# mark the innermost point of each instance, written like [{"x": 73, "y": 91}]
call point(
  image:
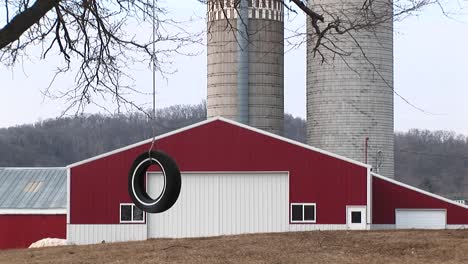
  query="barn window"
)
[
  {"x": 129, "y": 213},
  {"x": 356, "y": 217},
  {"x": 303, "y": 213}
]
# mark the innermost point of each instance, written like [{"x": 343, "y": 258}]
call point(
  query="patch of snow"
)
[{"x": 50, "y": 242}]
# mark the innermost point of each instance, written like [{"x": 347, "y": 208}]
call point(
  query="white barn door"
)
[
  {"x": 356, "y": 217},
  {"x": 212, "y": 204},
  {"x": 420, "y": 218}
]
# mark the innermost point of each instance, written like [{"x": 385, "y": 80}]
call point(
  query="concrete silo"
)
[
  {"x": 350, "y": 98},
  {"x": 245, "y": 62}
]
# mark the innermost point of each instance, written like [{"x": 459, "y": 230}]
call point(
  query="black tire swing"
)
[{"x": 136, "y": 182}]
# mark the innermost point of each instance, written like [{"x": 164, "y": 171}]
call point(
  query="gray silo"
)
[
  {"x": 245, "y": 71},
  {"x": 350, "y": 99}
]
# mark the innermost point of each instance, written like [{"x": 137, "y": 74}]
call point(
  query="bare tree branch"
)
[
  {"x": 24, "y": 20},
  {"x": 93, "y": 39},
  {"x": 95, "y": 43}
]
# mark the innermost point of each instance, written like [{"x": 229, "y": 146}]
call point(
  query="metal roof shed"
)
[{"x": 32, "y": 205}]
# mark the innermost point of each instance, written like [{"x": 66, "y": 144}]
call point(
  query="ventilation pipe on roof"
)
[{"x": 243, "y": 61}]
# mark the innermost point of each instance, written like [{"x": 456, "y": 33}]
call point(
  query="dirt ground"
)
[{"x": 302, "y": 247}]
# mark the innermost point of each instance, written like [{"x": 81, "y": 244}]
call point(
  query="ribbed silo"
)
[
  {"x": 257, "y": 94},
  {"x": 350, "y": 97}
]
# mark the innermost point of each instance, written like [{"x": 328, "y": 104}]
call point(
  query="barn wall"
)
[
  {"x": 92, "y": 234},
  {"x": 20, "y": 231},
  {"x": 99, "y": 186},
  {"x": 388, "y": 196}
]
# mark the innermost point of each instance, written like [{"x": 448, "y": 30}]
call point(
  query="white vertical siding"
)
[
  {"x": 194, "y": 214},
  {"x": 213, "y": 204},
  {"x": 420, "y": 218},
  {"x": 312, "y": 227},
  {"x": 253, "y": 203},
  {"x": 457, "y": 226},
  {"x": 382, "y": 227},
  {"x": 92, "y": 234}
]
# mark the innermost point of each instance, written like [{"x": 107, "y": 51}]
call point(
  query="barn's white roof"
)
[
  {"x": 33, "y": 190},
  {"x": 227, "y": 121}
]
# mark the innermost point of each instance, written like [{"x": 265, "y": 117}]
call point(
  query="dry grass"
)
[{"x": 303, "y": 247}]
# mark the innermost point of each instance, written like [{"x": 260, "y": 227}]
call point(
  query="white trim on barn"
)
[
  {"x": 369, "y": 199},
  {"x": 140, "y": 143},
  {"x": 392, "y": 227},
  {"x": 457, "y": 226},
  {"x": 68, "y": 194},
  {"x": 294, "y": 142},
  {"x": 382, "y": 227},
  {"x": 227, "y": 121},
  {"x": 315, "y": 227},
  {"x": 48, "y": 211},
  {"x": 108, "y": 233},
  {"x": 419, "y": 190},
  {"x": 93, "y": 234}
]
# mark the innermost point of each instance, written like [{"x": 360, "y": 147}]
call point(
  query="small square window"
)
[
  {"x": 137, "y": 214},
  {"x": 356, "y": 217},
  {"x": 303, "y": 212},
  {"x": 309, "y": 212},
  {"x": 129, "y": 213},
  {"x": 125, "y": 212},
  {"x": 296, "y": 212}
]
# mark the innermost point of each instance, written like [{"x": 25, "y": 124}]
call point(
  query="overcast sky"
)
[{"x": 430, "y": 70}]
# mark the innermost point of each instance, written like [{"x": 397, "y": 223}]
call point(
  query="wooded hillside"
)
[{"x": 436, "y": 161}]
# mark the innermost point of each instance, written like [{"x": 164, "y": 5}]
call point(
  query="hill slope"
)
[{"x": 304, "y": 247}]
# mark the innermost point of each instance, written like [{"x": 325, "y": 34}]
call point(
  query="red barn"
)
[
  {"x": 397, "y": 205},
  {"x": 32, "y": 205},
  {"x": 238, "y": 179}
]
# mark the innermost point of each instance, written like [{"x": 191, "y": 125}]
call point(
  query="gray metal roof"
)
[{"x": 33, "y": 188}]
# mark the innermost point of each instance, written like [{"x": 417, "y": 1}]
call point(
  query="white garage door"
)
[
  {"x": 213, "y": 204},
  {"x": 420, "y": 219}
]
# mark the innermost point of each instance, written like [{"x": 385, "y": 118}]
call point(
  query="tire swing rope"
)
[
  {"x": 137, "y": 175},
  {"x": 169, "y": 168}
]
